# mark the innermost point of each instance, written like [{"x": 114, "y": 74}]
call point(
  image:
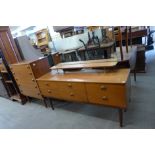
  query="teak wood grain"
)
[
  {"x": 25, "y": 74},
  {"x": 86, "y": 64}
]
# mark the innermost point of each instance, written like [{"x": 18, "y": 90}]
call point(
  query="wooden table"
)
[
  {"x": 137, "y": 35},
  {"x": 103, "y": 46},
  {"x": 110, "y": 88}
]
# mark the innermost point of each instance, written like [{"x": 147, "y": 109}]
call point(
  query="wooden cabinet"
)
[
  {"x": 8, "y": 45},
  {"x": 25, "y": 74}
]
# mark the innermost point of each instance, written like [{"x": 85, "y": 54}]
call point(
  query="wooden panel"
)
[
  {"x": 40, "y": 67},
  {"x": 86, "y": 64},
  {"x": 8, "y": 46},
  {"x": 107, "y": 94},
  {"x": 31, "y": 92},
  {"x": 56, "y": 58}
]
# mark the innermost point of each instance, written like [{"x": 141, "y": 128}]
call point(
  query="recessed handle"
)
[
  {"x": 104, "y": 98},
  {"x": 28, "y": 67},
  {"x": 103, "y": 87},
  {"x": 47, "y": 84},
  {"x": 30, "y": 73}
]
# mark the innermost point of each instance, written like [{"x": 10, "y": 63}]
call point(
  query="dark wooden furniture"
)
[
  {"x": 129, "y": 59},
  {"x": 110, "y": 88},
  {"x": 140, "y": 61},
  {"x": 11, "y": 55},
  {"x": 136, "y": 35},
  {"x": 105, "y": 48},
  {"x": 8, "y": 46},
  {"x": 56, "y": 58},
  {"x": 25, "y": 74}
]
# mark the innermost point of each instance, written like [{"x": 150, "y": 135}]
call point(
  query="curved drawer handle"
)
[{"x": 104, "y": 98}]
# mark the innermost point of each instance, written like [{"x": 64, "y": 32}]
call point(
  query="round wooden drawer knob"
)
[
  {"x": 30, "y": 73},
  {"x": 103, "y": 87},
  {"x": 47, "y": 84},
  {"x": 69, "y": 85},
  {"x": 33, "y": 80},
  {"x": 49, "y": 91},
  {"x": 71, "y": 94},
  {"x": 104, "y": 98},
  {"x": 28, "y": 67}
]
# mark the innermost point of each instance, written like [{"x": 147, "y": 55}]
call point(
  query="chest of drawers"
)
[{"x": 25, "y": 74}]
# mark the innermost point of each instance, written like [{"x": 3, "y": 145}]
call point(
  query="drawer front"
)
[
  {"x": 31, "y": 93},
  {"x": 107, "y": 94},
  {"x": 64, "y": 90},
  {"x": 31, "y": 90}
]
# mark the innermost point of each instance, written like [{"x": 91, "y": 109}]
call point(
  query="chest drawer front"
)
[
  {"x": 111, "y": 95},
  {"x": 64, "y": 90},
  {"x": 30, "y": 93}
]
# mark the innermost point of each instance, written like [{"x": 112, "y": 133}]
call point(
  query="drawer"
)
[
  {"x": 31, "y": 92},
  {"x": 32, "y": 86},
  {"x": 58, "y": 85},
  {"x": 109, "y": 94},
  {"x": 64, "y": 90}
]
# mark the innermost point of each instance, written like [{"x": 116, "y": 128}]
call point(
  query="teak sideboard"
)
[{"x": 110, "y": 88}]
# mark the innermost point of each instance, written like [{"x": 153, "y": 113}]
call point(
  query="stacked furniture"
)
[{"x": 140, "y": 61}]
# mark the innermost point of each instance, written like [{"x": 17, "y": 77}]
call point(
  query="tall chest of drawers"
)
[{"x": 26, "y": 73}]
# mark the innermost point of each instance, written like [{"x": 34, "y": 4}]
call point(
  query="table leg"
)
[
  {"x": 51, "y": 103},
  {"x": 120, "y": 117}
]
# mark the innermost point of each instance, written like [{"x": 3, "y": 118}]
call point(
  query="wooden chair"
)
[{"x": 126, "y": 55}]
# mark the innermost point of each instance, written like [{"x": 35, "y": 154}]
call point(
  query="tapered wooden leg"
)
[
  {"x": 120, "y": 117},
  {"x": 44, "y": 100},
  {"x": 51, "y": 103}
]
